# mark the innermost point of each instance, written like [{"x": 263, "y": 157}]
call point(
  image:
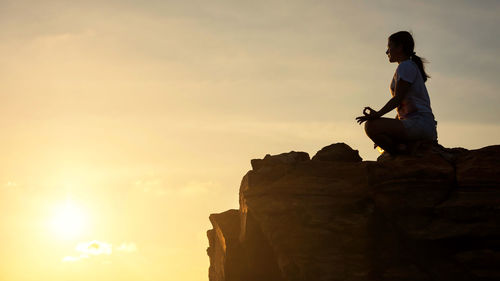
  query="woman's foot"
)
[{"x": 385, "y": 156}]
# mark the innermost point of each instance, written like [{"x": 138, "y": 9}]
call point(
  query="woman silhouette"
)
[{"x": 414, "y": 120}]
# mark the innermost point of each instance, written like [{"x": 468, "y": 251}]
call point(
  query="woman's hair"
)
[{"x": 404, "y": 38}]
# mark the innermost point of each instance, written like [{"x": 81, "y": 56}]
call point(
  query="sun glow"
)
[{"x": 68, "y": 221}]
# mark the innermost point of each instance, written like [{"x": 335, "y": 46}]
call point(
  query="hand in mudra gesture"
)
[{"x": 372, "y": 114}]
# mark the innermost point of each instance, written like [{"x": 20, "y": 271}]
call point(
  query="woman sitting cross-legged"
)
[{"x": 414, "y": 120}]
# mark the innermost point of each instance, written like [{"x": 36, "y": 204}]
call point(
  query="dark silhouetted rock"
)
[
  {"x": 338, "y": 152},
  {"x": 432, "y": 216},
  {"x": 288, "y": 158},
  {"x": 226, "y": 260}
]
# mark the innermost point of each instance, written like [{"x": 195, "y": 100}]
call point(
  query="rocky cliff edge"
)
[{"x": 435, "y": 216}]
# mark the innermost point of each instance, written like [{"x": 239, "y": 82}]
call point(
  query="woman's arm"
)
[{"x": 402, "y": 88}]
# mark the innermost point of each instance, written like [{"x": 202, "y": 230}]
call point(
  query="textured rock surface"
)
[
  {"x": 225, "y": 255},
  {"x": 337, "y": 152},
  {"x": 334, "y": 217}
]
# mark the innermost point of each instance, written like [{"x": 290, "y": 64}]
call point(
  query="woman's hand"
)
[{"x": 372, "y": 114}]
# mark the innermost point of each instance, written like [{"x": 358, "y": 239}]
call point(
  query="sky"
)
[{"x": 126, "y": 123}]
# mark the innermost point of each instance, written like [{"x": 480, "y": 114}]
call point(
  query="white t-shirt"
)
[{"x": 417, "y": 98}]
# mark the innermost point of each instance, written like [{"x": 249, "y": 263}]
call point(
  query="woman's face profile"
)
[{"x": 393, "y": 52}]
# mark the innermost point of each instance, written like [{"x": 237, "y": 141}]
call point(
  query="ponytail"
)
[
  {"x": 405, "y": 39},
  {"x": 420, "y": 63}
]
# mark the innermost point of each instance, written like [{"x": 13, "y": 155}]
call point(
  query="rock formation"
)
[{"x": 435, "y": 216}]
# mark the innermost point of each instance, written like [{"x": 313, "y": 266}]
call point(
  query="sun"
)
[{"x": 69, "y": 220}]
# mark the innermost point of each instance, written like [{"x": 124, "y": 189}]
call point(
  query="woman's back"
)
[{"x": 417, "y": 98}]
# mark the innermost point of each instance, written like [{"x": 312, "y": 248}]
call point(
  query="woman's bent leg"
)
[{"x": 386, "y": 133}]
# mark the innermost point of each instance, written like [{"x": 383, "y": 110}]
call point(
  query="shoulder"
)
[
  {"x": 407, "y": 70},
  {"x": 407, "y": 64}
]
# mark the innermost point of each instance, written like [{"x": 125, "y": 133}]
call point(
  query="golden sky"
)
[{"x": 126, "y": 123}]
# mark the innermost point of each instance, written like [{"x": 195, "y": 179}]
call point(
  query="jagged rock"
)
[
  {"x": 288, "y": 158},
  {"x": 338, "y": 152},
  {"x": 226, "y": 261},
  {"x": 479, "y": 168},
  {"x": 433, "y": 216}
]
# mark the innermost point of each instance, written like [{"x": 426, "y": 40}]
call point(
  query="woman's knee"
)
[{"x": 370, "y": 127}]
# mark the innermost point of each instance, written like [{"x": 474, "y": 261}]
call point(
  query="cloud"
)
[
  {"x": 127, "y": 247},
  {"x": 157, "y": 186},
  {"x": 75, "y": 258},
  {"x": 98, "y": 248},
  {"x": 153, "y": 185},
  {"x": 94, "y": 248},
  {"x": 193, "y": 188},
  {"x": 10, "y": 184},
  {"x": 70, "y": 259},
  {"x": 56, "y": 39}
]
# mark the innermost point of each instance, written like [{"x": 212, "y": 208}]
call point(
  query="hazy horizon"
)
[{"x": 126, "y": 123}]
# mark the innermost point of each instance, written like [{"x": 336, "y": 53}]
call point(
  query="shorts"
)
[{"x": 420, "y": 126}]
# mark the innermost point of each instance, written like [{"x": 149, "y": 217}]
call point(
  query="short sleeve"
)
[{"x": 407, "y": 71}]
